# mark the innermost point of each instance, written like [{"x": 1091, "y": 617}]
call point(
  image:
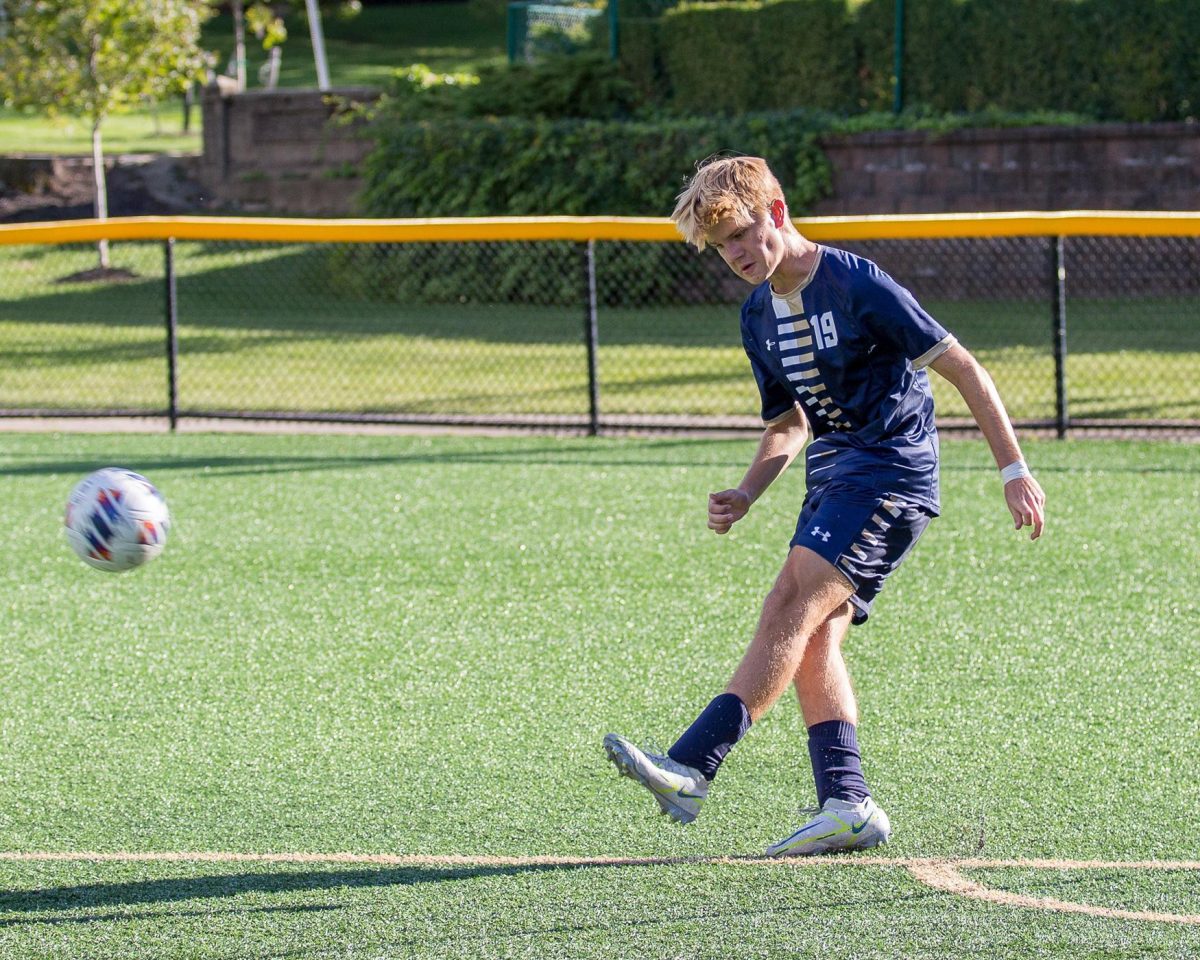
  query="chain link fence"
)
[
  {"x": 583, "y": 336},
  {"x": 551, "y": 27}
]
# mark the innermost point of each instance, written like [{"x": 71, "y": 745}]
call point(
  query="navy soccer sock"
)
[
  {"x": 712, "y": 735},
  {"x": 837, "y": 766}
]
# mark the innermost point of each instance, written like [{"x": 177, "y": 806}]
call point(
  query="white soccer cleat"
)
[
  {"x": 839, "y": 825},
  {"x": 679, "y": 790}
]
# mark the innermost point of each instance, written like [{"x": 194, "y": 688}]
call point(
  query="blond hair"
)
[{"x": 724, "y": 188}]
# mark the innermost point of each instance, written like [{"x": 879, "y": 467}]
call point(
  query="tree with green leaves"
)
[
  {"x": 93, "y": 58},
  {"x": 265, "y": 21}
]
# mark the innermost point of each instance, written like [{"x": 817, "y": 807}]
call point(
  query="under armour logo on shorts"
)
[{"x": 823, "y": 534}]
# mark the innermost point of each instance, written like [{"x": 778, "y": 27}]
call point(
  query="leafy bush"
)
[
  {"x": 759, "y": 55},
  {"x": 499, "y": 166},
  {"x": 1107, "y": 59},
  {"x": 582, "y": 85},
  {"x": 535, "y": 167}
]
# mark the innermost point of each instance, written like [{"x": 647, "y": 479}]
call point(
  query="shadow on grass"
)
[
  {"x": 174, "y": 890},
  {"x": 68, "y": 919},
  {"x": 59, "y": 905},
  {"x": 293, "y": 292},
  {"x": 645, "y": 455}
]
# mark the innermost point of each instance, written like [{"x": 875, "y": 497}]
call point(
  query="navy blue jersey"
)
[{"x": 850, "y": 347}]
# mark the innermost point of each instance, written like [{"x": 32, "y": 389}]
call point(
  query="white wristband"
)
[{"x": 1015, "y": 471}]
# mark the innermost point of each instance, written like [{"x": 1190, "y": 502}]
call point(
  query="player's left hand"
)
[{"x": 1027, "y": 504}]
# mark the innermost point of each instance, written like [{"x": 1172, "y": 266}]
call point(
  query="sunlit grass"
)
[{"x": 413, "y": 645}]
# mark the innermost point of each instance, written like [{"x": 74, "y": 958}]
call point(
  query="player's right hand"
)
[{"x": 726, "y": 508}]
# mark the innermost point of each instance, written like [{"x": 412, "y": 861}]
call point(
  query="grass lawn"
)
[
  {"x": 412, "y": 646},
  {"x": 266, "y": 327},
  {"x": 365, "y": 50}
]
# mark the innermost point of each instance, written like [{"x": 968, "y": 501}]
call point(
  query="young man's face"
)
[{"x": 753, "y": 251}]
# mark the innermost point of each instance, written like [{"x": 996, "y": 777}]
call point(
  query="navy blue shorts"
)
[{"x": 861, "y": 533}]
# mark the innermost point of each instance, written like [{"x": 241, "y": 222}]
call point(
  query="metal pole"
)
[
  {"x": 898, "y": 60},
  {"x": 516, "y": 26},
  {"x": 614, "y": 45},
  {"x": 591, "y": 332},
  {"x": 172, "y": 336},
  {"x": 318, "y": 43},
  {"x": 1059, "y": 307}
]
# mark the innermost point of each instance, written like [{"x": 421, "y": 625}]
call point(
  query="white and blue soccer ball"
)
[{"x": 116, "y": 520}]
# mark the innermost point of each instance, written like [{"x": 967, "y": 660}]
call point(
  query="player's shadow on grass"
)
[
  {"x": 642, "y": 454},
  {"x": 69, "y": 905},
  {"x": 57, "y": 900}
]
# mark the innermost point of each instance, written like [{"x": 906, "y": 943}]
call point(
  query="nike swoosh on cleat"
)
[
  {"x": 672, "y": 792},
  {"x": 858, "y": 827},
  {"x": 791, "y": 841}
]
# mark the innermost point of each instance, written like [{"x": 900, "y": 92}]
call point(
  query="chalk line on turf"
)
[{"x": 937, "y": 873}]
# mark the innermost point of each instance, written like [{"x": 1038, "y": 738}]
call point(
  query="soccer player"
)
[{"x": 839, "y": 351}]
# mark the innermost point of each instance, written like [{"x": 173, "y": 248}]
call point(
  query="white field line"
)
[
  {"x": 484, "y": 860},
  {"x": 937, "y": 873},
  {"x": 945, "y": 877}
]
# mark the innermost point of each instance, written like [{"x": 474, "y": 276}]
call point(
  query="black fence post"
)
[
  {"x": 1059, "y": 309},
  {"x": 172, "y": 336},
  {"x": 591, "y": 333}
]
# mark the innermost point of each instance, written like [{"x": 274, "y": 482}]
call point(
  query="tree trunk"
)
[{"x": 101, "y": 188}]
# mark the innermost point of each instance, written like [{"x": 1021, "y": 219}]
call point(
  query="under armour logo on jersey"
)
[
  {"x": 822, "y": 534},
  {"x": 770, "y": 344}
]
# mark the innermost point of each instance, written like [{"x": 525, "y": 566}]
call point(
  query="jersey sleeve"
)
[
  {"x": 777, "y": 401},
  {"x": 893, "y": 315}
]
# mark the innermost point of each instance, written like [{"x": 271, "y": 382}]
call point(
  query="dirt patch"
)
[{"x": 38, "y": 188}]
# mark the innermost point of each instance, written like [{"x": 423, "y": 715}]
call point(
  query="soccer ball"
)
[{"x": 116, "y": 520}]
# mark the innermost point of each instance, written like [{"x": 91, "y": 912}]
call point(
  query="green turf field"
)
[
  {"x": 266, "y": 327},
  {"x": 411, "y": 647}
]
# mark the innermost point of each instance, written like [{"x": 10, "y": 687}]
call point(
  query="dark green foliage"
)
[
  {"x": 1127, "y": 60},
  {"x": 585, "y": 84},
  {"x": 519, "y": 166},
  {"x": 515, "y": 166},
  {"x": 542, "y": 274},
  {"x": 457, "y": 273},
  {"x": 753, "y": 55}
]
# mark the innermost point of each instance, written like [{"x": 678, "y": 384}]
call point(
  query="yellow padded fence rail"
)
[{"x": 648, "y": 229}]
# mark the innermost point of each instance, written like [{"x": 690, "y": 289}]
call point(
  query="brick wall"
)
[
  {"x": 274, "y": 151},
  {"x": 1101, "y": 167}
]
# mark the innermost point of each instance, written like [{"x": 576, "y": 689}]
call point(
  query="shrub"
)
[
  {"x": 519, "y": 166},
  {"x": 1108, "y": 59}
]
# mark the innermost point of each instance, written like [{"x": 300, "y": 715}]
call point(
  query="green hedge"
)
[
  {"x": 495, "y": 166},
  {"x": 1131, "y": 60},
  {"x": 754, "y": 55},
  {"x": 528, "y": 166}
]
